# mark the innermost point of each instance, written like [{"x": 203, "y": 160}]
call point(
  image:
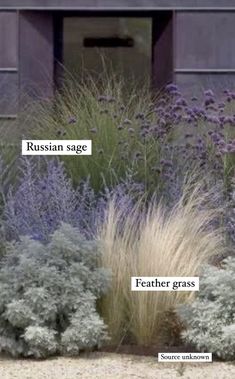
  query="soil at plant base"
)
[
  {"x": 111, "y": 366},
  {"x": 152, "y": 350}
]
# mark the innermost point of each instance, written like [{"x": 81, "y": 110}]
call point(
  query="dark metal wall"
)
[
  {"x": 162, "y": 49},
  {"x": 26, "y": 58},
  {"x": 36, "y": 54},
  {"x": 113, "y": 4},
  {"x": 194, "y": 48},
  {"x": 204, "y": 50},
  {"x": 8, "y": 64}
]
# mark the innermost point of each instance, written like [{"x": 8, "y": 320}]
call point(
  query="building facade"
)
[{"x": 190, "y": 42}]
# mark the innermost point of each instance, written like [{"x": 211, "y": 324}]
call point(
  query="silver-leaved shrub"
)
[
  {"x": 210, "y": 319},
  {"x": 48, "y": 296}
]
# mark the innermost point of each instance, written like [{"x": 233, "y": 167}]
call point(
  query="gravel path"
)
[{"x": 111, "y": 366}]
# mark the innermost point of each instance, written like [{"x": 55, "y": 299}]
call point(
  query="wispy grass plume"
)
[{"x": 160, "y": 243}]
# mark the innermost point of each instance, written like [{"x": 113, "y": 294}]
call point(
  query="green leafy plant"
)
[
  {"x": 48, "y": 296},
  {"x": 210, "y": 319}
]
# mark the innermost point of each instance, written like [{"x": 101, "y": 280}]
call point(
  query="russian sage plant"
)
[
  {"x": 48, "y": 296},
  {"x": 210, "y": 319},
  {"x": 45, "y": 197}
]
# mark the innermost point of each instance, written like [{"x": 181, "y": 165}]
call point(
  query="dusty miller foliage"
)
[
  {"x": 210, "y": 319},
  {"x": 48, "y": 296}
]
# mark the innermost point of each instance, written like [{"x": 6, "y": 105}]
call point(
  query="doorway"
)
[{"x": 119, "y": 45}]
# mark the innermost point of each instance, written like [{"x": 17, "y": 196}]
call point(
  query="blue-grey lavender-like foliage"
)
[
  {"x": 48, "y": 296},
  {"x": 210, "y": 319},
  {"x": 45, "y": 197}
]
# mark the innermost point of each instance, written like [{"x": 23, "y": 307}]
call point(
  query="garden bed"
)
[{"x": 156, "y": 200}]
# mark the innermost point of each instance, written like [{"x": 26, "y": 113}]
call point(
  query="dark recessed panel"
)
[
  {"x": 117, "y": 45},
  {"x": 108, "y": 42},
  {"x": 8, "y": 40}
]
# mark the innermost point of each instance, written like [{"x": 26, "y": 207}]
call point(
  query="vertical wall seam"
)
[
  {"x": 18, "y": 60},
  {"x": 174, "y": 38}
]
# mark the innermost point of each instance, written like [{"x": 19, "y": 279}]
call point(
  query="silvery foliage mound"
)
[
  {"x": 48, "y": 296},
  {"x": 210, "y": 319}
]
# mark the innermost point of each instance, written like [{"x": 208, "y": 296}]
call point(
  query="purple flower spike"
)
[
  {"x": 162, "y": 122},
  {"x": 168, "y": 163},
  {"x": 176, "y": 93},
  {"x": 171, "y": 87},
  {"x": 93, "y": 130},
  {"x": 230, "y": 147},
  {"x": 209, "y": 101},
  {"x": 177, "y": 108},
  {"x": 137, "y": 155},
  {"x": 188, "y": 119},
  {"x": 162, "y": 101},
  {"x": 127, "y": 122},
  {"x": 72, "y": 120},
  {"x": 111, "y": 99},
  {"x": 188, "y": 135},
  {"x": 131, "y": 130},
  {"x": 224, "y": 150},
  {"x": 102, "y": 98},
  {"x": 140, "y": 116},
  {"x": 104, "y": 111},
  {"x": 182, "y": 102},
  {"x": 209, "y": 93}
]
